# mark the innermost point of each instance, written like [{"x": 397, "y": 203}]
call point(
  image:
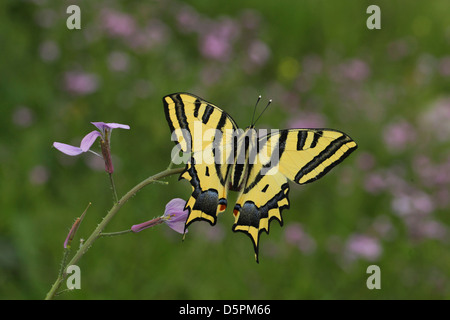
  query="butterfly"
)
[{"x": 221, "y": 157}]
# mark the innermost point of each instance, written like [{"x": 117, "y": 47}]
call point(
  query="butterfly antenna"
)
[
  {"x": 254, "y": 109},
  {"x": 268, "y": 104}
]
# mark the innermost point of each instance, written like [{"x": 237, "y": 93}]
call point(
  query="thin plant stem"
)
[
  {"x": 117, "y": 233},
  {"x": 113, "y": 187},
  {"x": 63, "y": 262},
  {"x": 101, "y": 226}
]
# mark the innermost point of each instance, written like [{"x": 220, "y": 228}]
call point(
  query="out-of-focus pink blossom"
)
[
  {"x": 436, "y": 119},
  {"x": 117, "y": 24},
  {"x": 295, "y": 235},
  {"x": 412, "y": 203},
  {"x": 365, "y": 161},
  {"x": 156, "y": 33},
  {"x": 421, "y": 229},
  {"x": 375, "y": 183},
  {"x": 258, "y": 53},
  {"x": 216, "y": 42},
  {"x": 118, "y": 61},
  {"x": 188, "y": 19},
  {"x": 355, "y": 70},
  {"x": 425, "y": 68},
  {"x": 80, "y": 83},
  {"x": 363, "y": 246},
  {"x": 434, "y": 230},
  {"x": 399, "y": 135},
  {"x": 383, "y": 227}
]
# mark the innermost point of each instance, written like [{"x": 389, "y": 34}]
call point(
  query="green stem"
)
[
  {"x": 112, "y": 234},
  {"x": 63, "y": 262},
  {"x": 113, "y": 187},
  {"x": 101, "y": 226}
]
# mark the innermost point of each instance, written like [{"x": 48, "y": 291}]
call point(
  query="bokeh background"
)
[{"x": 387, "y": 204}]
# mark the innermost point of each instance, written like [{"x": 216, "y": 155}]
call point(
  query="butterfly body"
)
[
  {"x": 257, "y": 164},
  {"x": 244, "y": 143}
]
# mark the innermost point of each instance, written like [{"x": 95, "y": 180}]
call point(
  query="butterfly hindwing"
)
[
  {"x": 190, "y": 118},
  {"x": 257, "y": 207}
]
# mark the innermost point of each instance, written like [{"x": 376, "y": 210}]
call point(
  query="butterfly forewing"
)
[{"x": 310, "y": 153}]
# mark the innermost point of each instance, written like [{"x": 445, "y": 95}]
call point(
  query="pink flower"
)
[
  {"x": 118, "y": 24},
  {"x": 174, "y": 216},
  {"x": 81, "y": 82},
  {"x": 217, "y": 42},
  {"x": 399, "y": 135},
  {"x": 188, "y": 19},
  {"x": 118, "y": 61},
  {"x": 258, "y": 52},
  {"x": 375, "y": 183},
  {"x": 356, "y": 70},
  {"x": 295, "y": 235},
  {"x": 436, "y": 119},
  {"x": 363, "y": 246}
]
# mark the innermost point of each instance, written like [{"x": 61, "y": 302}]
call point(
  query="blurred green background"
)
[{"x": 387, "y": 204}]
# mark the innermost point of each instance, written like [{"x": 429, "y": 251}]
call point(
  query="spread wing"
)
[
  {"x": 300, "y": 155},
  {"x": 204, "y": 132}
]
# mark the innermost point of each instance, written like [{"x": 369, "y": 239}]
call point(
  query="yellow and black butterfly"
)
[{"x": 222, "y": 157}]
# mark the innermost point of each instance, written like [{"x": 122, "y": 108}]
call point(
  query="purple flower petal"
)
[
  {"x": 175, "y": 215},
  {"x": 102, "y": 125},
  {"x": 117, "y": 126},
  {"x": 178, "y": 226},
  {"x": 68, "y": 149},
  {"x": 176, "y": 204},
  {"x": 89, "y": 139}
]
